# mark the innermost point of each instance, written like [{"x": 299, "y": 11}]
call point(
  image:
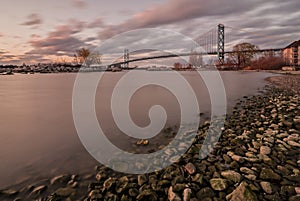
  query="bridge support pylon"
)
[
  {"x": 126, "y": 58},
  {"x": 221, "y": 42}
]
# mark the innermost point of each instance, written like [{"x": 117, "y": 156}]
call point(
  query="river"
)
[{"x": 38, "y": 138}]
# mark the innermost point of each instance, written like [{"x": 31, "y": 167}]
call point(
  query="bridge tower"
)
[
  {"x": 126, "y": 58},
  {"x": 221, "y": 42}
]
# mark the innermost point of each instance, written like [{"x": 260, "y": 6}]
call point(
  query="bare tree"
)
[
  {"x": 242, "y": 54},
  {"x": 94, "y": 58},
  {"x": 88, "y": 58},
  {"x": 82, "y": 54},
  {"x": 196, "y": 59}
]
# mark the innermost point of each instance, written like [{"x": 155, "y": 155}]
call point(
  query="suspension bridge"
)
[{"x": 212, "y": 42}]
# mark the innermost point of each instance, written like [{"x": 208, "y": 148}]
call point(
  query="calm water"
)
[{"x": 38, "y": 138}]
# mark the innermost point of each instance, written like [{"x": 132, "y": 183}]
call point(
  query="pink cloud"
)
[{"x": 174, "y": 11}]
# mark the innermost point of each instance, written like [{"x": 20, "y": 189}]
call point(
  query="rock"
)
[
  {"x": 218, "y": 184},
  {"x": 179, "y": 187},
  {"x": 178, "y": 179},
  {"x": 251, "y": 177},
  {"x": 61, "y": 179},
  {"x": 284, "y": 170},
  {"x": 294, "y": 198},
  {"x": 172, "y": 196},
  {"x": 187, "y": 193},
  {"x": 282, "y": 135},
  {"x": 65, "y": 192},
  {"x": 109, "y": 183},
  {"x": 205, "y": 193},
  {"x": 142, "y": 142},
  {"x": 8, "y": 192},
  {"x": 133, "y": 192},
  {"x": 122, "y": 184},
  {"x": 39, "y": 190},
  {"x": 163, "y": 183},
  {"x": 238, "y": 158},
  {"x": 142, "y": 179},
  {"x": 95, "y": 195},
  {"x": 287, "y": 123},
  {"x": 250, "y": 155},
  {"x": 53, "y": 197},
  {"x": 266, "y": 186},
  {"x": 242, "y": 193},
  {"x": 269, "y": 174},
  {"x": 293, "y": 143},
  {"x": 111, "y": 197},
  {"x": 234, "y": 165},
  {"x": 124, "y": 198},
  {"x": 246, "y": 170},
  {"x": 190, "y": 168},
  {"x": 198, "y": 178},
  {"x": 230, "y": 153},
  {"x": 227, "y": 159},
  {"x": 74, "y": 184},
  {"x": 265, "y": 150},
  {"x": 287, "y": 191},
  {"x": 231, "y": 176},
  {"x": 147, "y": 195},
  {"x": 297, "y": 190}
]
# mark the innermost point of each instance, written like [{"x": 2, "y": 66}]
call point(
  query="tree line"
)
[{"x": 246, "y": 56}]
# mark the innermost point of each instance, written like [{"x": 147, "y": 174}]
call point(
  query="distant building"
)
[{"x": 291, "y": 54}]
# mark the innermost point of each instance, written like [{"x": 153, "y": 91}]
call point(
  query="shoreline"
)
[
  {"x": 288, "y": 82},
  {"x": 237, "y": 166}
]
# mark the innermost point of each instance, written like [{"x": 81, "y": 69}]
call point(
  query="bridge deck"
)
[{"x": 188, "y": 54}]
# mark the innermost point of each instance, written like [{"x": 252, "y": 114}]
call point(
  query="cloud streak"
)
[
  {"x": 33, "y": 19},
  {"x": 174, "y": 11},
  {"x": 79, "y": 4},
  {"x": 194, "y": 17},
  {"x": 61, "y": 41}
]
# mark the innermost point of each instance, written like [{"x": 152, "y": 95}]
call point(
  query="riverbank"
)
[
  {"x": 287, "y": 82},
  {"x": 257, "y": 158}
]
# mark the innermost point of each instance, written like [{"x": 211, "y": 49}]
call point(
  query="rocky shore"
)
[
  {"x": 287, "y": 82},
  {"x": 256, "y": 158}
]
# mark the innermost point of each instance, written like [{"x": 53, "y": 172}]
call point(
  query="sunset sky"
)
[{"x": 41, "y": 31}]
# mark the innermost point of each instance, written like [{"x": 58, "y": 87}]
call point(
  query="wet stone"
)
[
  {"x": 172, "y": 196},
  {"x": 265, "y": 150},
  {"x": 9, "y": 192},
  {"x": 147, "y": 195},
  {"x": 242, "y": 192},
  {"x": 269, "y": 174},
  {"x": 246, "y": 170},
  {"x": 187, "y": 193},
  {"x": 218, "y": 184},
  {"x": 133, "y": 192},
  {"x": 190, "y": 168},
  {"x": 205, "y": 193},
  {"x": 266, "y": 186},
  {"x": 231, "y": 176},
  {"x": 39, "y": 190},
  {"x": 61, "y": 179},
  {"x": 294, "y": 198},
  {"x": 142, "y": 179}
]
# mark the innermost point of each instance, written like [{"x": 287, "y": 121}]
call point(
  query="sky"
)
[{"x": 35, "y": 31}]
